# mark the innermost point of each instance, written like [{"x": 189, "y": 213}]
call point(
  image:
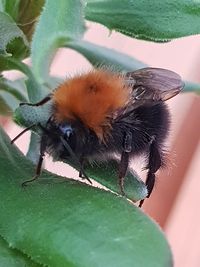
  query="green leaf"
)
[
  {"x": 8, "y": 103},
  {"x": 13, "y": 258},
  {"x": 11, "y": 7},
  {"x": 2, "y": 5},
  {"x": 10, "y": 63},
  {"x": 26, "y": 115},
  {"x": 102, "y": 56},
  {"x": 104, "y": 173},
  {"x": 12, "y": 39},
  {"x": 153, "y": 20},
  {"x": 11, "y": 94},
  {"x": 26, "y": 17},
  {"x": 4, "y": 108},
  {"x": 25, "y": 14},
  {"x": 59, "y": 222},
  {"x": 17, "y": 88},
  {"x": 34, "y": 90},
  {"x": 59, "y": 22}
]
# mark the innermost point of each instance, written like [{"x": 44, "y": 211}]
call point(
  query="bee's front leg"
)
[{"x": 43, "y": 145}]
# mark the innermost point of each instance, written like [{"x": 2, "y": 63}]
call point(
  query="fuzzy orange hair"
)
[{"x": 91, "y": 97}]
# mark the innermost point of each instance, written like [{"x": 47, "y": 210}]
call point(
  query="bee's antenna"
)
[{"x": 20, "y": 134}]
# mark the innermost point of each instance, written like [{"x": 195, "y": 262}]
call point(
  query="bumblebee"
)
[{"x": 101, "y": 115}]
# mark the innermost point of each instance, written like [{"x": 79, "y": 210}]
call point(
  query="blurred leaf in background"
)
[
  {"x": 23, "y": 15},
  {"x": 154, "y": 20},
  {"x": 12, "y": 39}
]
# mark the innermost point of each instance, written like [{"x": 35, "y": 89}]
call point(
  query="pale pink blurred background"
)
[{"x": 174, "y": 202}]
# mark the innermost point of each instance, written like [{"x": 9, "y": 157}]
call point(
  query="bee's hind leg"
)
[{"x": 124, "y": 161}]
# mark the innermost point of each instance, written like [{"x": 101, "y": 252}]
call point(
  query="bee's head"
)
[{"x": 70, "y": 133}]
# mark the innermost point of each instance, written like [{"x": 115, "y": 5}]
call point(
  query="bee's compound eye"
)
[{"x": 66, "y": 129}]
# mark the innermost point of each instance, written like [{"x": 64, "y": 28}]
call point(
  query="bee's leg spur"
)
[
  {"x": 40, "y": 103},
  {"x": 154, "y": 163},
  {"x": 124, "y": 161},
  {"x": 82, "y": 173},
  {"x": 39, "y": 165}
]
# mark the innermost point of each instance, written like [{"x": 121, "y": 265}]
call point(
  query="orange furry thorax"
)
[{"x": 91, "y": 98}]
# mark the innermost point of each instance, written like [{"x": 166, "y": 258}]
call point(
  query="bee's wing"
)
[{"x": 153, "y": 84}]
